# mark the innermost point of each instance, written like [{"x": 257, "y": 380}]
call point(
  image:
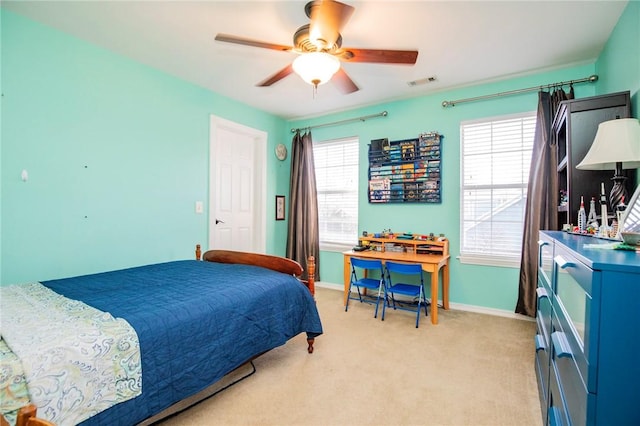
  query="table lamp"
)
[{"x": 616, "y": 146}]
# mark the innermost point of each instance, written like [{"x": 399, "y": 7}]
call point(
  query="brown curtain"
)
[
  {"x": 542, "y": 198},
  {"x": 303, "y": 238}
]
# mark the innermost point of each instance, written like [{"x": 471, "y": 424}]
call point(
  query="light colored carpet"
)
[{"x": 470, "y": 369}]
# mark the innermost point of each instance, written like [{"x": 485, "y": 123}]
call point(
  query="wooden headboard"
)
[{"x": 275, "y": 263}]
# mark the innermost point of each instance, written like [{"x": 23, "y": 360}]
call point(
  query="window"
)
[
  {"x": 495, "y": 157},
  {"x": 336, "y": 164}
]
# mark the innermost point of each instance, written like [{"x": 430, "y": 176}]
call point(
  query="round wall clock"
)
[{"x": 281, "y": 152}]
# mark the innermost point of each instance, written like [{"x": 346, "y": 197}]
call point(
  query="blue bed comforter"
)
[{"x": 196, "y": 321}]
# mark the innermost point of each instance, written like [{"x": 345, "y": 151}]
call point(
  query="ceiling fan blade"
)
[
  {"x": 379, "y": 56},
  {"x": 277, "y": 76},
  {"x": 327, "y": 18},
  {"x": 249, "y": 42},
  {"x": 344, "y": 82}
]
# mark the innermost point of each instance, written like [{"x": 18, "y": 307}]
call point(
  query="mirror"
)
[{"x": 630, "y": 222}]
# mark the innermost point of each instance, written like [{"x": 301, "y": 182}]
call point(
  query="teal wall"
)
[
  {"x": 143, "y": 137},
  {"x": 619, "y": 63},
  {"x": 117, "y": 155}
]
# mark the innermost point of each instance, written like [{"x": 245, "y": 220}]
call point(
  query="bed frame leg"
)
[{"x": 310, "y": 341}]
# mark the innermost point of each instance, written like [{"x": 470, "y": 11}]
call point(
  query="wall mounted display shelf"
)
[{"x": 405, "y": 171}]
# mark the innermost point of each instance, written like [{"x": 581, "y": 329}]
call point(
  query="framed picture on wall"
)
[{"x": 279, "y": 207}]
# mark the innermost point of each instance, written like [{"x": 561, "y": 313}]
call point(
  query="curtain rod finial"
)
[{"x": 593, "y": 78}]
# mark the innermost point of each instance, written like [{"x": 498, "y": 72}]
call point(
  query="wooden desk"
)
[{"x": 431, "y": 263}]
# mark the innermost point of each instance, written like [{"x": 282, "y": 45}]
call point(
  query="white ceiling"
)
[{"x": 459, "y": 42}]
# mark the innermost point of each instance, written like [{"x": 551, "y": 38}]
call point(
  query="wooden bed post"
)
[
  {"x": 27, "y": 417},
  {"x": 198, "y": 252},
  {"x": 311, "y": 275},
  {"x": 311, "y": 284}
]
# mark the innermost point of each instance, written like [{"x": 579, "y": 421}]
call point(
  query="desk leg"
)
[
  {"x": 445, "y": 286},
  {"x": 434, "y": 297},
  {"x": 346, "y": 278}
]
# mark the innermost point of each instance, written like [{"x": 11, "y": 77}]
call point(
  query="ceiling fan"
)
[{"x": 319, "y": 45}]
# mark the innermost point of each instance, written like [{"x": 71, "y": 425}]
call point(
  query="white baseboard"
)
[
  {"x": 456, "y": 306},
  {"x": 489, "y": 311},
  {"x": 331, "y": 286}
]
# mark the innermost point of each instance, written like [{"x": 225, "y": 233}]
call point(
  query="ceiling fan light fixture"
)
[{"x": 316, "y": 67}]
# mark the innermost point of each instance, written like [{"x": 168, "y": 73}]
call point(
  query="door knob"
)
[{"x": 219, "y": 221}]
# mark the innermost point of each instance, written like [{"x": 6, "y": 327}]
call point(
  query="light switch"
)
[{"x": 199, "y": 207}]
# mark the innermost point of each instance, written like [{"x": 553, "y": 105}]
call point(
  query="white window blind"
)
[
  {"x": 496, "y": 157},
  {"x": 336, "y": 165}
]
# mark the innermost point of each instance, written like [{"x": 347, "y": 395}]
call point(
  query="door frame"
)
[{"x": 259, "y": 138}]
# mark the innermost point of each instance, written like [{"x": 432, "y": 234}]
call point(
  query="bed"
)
[{"x": 197, "y": 323}]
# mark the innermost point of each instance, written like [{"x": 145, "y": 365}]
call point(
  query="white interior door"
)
[{"x": 237, "y": 187}]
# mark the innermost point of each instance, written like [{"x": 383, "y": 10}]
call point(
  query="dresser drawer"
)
[
  {"x": 545, "y": 260},
  {"x": 575, "y": 311},
  {"x": 542, "y": 361},
  {"x": 573, "y": 389},
  {"x": 544, "y": 308},
  {"x": 557, "y": 414},
  {"x": 566, "y": 344}
]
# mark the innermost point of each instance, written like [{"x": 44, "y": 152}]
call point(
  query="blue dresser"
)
[{"x": 588, "y": 332}]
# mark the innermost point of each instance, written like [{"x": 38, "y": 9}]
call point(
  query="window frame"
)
[
  {"x": 491, "y": 258},
  {"x": 338, "y": 246}
]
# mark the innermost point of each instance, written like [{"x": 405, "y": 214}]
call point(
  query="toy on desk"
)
[
  {"x": 405, "y": 236},
  {"x": 386, "y": 233}
]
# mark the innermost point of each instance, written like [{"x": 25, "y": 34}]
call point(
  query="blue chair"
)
[
  {"x": 416, "y": 291},
  {"x": 375, "y": 284}
]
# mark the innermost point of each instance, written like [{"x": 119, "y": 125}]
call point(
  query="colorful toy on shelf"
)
[
  {"x": 592, "y": 219},
  {"x": 582, "y": 217},
  {"x": 605, "y": 230},
  {"x": 620, "y": 209},
  {"x": 563, "y": 197}
]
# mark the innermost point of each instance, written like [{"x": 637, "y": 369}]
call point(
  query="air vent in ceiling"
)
[{"x": 421, "y": 81}]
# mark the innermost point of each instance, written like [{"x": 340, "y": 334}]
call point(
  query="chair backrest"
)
[
  {"x": 404, "y": 268},
  {"x": 366, "y": 263}
]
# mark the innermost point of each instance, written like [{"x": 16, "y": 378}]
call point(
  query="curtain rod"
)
[
  {"x": 348, "y": 120},
  {"x": 590, "y": 79}
]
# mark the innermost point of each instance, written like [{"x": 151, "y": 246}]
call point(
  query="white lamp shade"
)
[
  {"x": 316, "y": 67},
  {"x": 617, "y": 141}
]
